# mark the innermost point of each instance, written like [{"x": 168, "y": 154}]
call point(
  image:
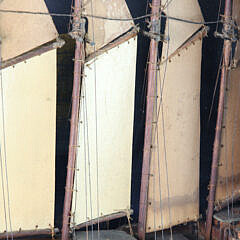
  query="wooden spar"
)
[
  {"x": 152, "y": 73},
  {"x": 214, "y": 171},
  {"x": 106, "y": 218},
  {"x": 35, "y": 52},
  {"x": 31, "y": 233},
  {"x": 78, "y": 65},
  {"x": 224, "y": 203}
]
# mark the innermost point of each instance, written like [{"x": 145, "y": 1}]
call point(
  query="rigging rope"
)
[
  {"x": 86, "y": 142},
  {"x": 158, "y": 161},
  {"x": 2, "y": 174},
  {"x": 112, "y": 19},
  {"x": 160, "y": 107},
  {"x": 96, "y": 120},
  {"x": 83, "y": 90},
  {"x": 233, "y": 144},
  {"x": 216, "y": 84},
  {"x": 167, "y": 4},
  {"x": 70, "y": 17},
  {"x": 4, "y": 152},
  {"x": 164, "y": 137},
  {"x": 225, "y": 155},
  {"x": 219, "y": 9}
]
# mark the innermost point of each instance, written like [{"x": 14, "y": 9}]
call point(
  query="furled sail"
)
[
  {"x": 20, "y": 33},
  {"x": 27, "y": 133},
  {"x": 103, "y": 31},
  {"x": 173, "y": 194},
  {"x": 229, "y": 164},
  {"x": 103, "y": 171}
]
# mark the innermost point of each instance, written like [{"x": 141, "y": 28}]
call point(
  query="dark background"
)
[{"x": 210, "y": 60}]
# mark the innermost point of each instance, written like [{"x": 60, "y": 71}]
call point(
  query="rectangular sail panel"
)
[
  {"x": 229, "y": 164},
  {"x": 177, "y": 31},
  {"x": 173, "y": 196},
  {"x": 103, "y": 31},
  {"x": 115, "y": 87},
  {"x": 228, "y": 183},
  {"x": 23, "y": 32},
  {"x": 29, "y": 98}
]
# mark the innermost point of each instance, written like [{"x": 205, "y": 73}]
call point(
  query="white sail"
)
[
  {"x": 173, "y": 196},
  {"x": 103, "y": 31},
  {"x": 19, "y": 32},
  {"x": 29, "y": 100},
  {"x": 115, "y": 86}
]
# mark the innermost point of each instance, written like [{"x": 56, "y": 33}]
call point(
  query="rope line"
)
[
  {"x": 96, "y": 123},
  {"x": 111, "y": 19},
  {"x": 215, "y": 88},
  {"x": 2, "y": 174},
  {"x": 88, "y": 156},
  {"x": 85, "y": 159},
  {"x": 219, "y": 9},
  {"x": 4, "y": 151}
]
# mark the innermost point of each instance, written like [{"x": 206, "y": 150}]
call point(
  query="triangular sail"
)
[
  {"x": 173, "y": 194},
  {"x": 103, "y": 31},
  {"x": 103, "y": 172},
  {"x": 20, "y": 32},
  {"x": 178, "y": 32}
]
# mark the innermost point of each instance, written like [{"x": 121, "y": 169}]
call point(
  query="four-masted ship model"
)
[{"x": 98, "y": 183}]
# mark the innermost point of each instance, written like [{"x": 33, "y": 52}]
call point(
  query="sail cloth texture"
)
[
  {"x": 29, "y": 98},
  {"x": 179, "y": 32},
  {"x": 174, "y": 168},
  {"x": 103, "y": 31},
  {"x": 115, "y": 87},
  {"x": 23, "y": 32},
  {"x": 229, "y": 164}
]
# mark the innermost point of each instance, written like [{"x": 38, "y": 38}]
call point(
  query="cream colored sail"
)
[
  {"x": 29, "y": 98},
  {"x": 229, "y": 164},
  {"x": 109, "y": 179},
  {"x": 102, "y": 31},
  {"x": 173, "y": 194},
  {"x": 178, "y": 32},
  {"x": 23, "y": 32}
]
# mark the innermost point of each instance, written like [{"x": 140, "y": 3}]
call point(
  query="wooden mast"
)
[
  {"x": 152, "y": 73},
  {"x": 78, "y": 34},
  {"x": 217, "y": 142}
]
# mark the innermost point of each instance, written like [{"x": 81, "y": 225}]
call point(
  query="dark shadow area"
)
[
  {"x": 211, "y": 55},
  {"x": 138, "y": 8},
  {"x": 60, "y": 6},
  {"x": 65, "y": 68}
]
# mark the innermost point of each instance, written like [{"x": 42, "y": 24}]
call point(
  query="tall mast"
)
[
  {"x": 77, "y": 33},
  {"x": 216, "y": 148},
  {"x": 152, "y": 73}
]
